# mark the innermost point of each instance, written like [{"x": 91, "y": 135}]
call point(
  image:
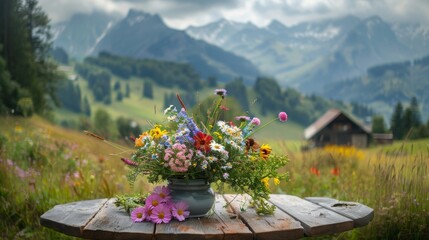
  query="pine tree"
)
[
  {"x": 26, "y": 40},
  {"x": 86, "y": 108},
  {"x": 378, "y": 125},
  {"x": 212, "y": 81},
  {"x": 127, "y": 90},
  {"x": 237, "y": 89},
  {"x": 415, "y": 113},
  {"x": 117, "y": 86},
  {"x": 148, "y": 89},
  {"x": 119, "y": 96},
  {"x": 396, "y": 122}
]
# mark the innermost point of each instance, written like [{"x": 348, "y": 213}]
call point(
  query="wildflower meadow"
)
[{"x": 42, "y": 165}]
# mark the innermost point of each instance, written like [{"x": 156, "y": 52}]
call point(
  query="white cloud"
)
[{"x": 182, "y": 13}]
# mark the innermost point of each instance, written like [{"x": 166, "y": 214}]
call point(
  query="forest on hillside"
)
[{"x": 28, "y": 76}]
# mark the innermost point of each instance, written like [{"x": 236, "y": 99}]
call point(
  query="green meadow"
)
[{"x": 42, "y": 165}]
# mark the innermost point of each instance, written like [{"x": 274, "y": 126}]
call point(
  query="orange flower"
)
[
  {"x": 335, "y": 171},
  {"x": 315, "y": 171},
  {"x": 139, "y": 141}
]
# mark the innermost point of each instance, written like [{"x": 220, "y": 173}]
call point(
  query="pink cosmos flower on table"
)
[
  {"x": 163, "y": 192},
  {"x": 147, "y": 209},
  {"x": 161, "y": 214},
  {"x": 180, "y": 211},
  {"x": 138, "y": 214},
  {"x": 153, "y": 200}
]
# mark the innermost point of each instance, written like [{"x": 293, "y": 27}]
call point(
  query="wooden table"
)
[{"x": 294, "y": 218}]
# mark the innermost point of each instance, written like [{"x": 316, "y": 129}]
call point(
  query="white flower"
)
[
  {"x": 216, "y": 146},
  {"x": 212, "y": 159}
]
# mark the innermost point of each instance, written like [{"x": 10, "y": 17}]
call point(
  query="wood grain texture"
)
[
  {"x": 294, "y": 218},
  {"x": 72, "y": 217},
  {"x": 221, "y": 224},
  {"x": 112, "y": 222},
  {"x": 359, "y": 213},
  {"x": 277, "y": 226},
  {"x": 315, "y": 219}
]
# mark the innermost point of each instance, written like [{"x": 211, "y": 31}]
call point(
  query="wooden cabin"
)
[
  {"x": 382, "y": 138},
  {"x": 337, "y": 128}
]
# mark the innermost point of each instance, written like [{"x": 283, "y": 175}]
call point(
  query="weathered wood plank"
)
[
  {"x": 277, "y": 226},
  {"x": 315, "y": 219},
  {"x": 72, "y": 217},
  {"x": 222, "y": 224},
  {"x": 189, "y": 229},
  {"x": 359, "y": 213},
  {"x": 227, "y": 221},
  {"x": 112, "y": 222}
]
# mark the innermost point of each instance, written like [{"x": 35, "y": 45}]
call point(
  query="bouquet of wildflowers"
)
[{"x": 218, "y": 151}]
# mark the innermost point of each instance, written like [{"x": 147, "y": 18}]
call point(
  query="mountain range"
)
[
  {"x": 312, "y": 54},
  {"x": 143, "y": 35},
  {"x": 329, "y": 57}
]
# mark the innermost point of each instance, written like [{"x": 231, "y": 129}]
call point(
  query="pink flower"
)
[
  {"x": 138, "y": 214},
  {"x": 255, "y": 121},
  {"x": 178, "y": 157},
  {"x": 161, "y": 214},
  {"x": 242, "y": 118},
  {"x": 163, "y": 192},
  {"x": 282, "y": 117},
  {"x": 153, "y": 200},
  {"x": 129, "y": 162},
  {"x": 180, "y": 210},
  {"x": 147, "y": 210}
]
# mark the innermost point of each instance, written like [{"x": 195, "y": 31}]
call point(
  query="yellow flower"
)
[
  {"x": 157, "y": 133},
  {"x": 18, "y": 129},
  {"x": 265, "y": 182},
  {"x": 276, "y": 181},
  {"x": 265, "y": 151},
  {"x": 218, "y": 135},
  {"x": 139, "y": 141}
]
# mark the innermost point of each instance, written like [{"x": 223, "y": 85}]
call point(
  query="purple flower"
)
[
  {"x": 161, "y": 214},
  {"x": 242, "y": 118},
  {"x": 220, "y": 92},
  {"x": 163, "y": 192},
  {"x": 255, "y": 121},
  {"x": 153, "y": 200},
  {"x": 180, "y": 210},
  {"x": 282, "y": 117},
  {"x": 129, "y": 162},
  {"x": 147, "y": 210},
  {"x": 138, "y": 214}
]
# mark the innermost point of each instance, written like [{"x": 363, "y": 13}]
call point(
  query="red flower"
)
[
  {"x": 315, "y": 171},
  {"x": 202, "y": 141},
  {"x": 224, "y": 108},
  {"x": 335, "y": 171}
]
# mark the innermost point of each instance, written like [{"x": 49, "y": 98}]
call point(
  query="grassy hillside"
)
[
  {"x": 385, "y": 85},
  {"x": 143, "y": 110},
  {"x": 42, "y": 165}
]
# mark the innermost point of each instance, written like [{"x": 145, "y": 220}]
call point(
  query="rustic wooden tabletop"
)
[{"x": 293, "y": 218}]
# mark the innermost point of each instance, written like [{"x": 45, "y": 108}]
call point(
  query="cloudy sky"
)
[{"x": 182, "y": 13}]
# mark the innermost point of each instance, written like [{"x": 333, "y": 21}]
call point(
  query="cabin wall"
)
[{"x": 341, "y": 131}]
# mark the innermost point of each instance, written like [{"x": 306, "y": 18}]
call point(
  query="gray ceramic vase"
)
[{"x": 196, "y": 192}]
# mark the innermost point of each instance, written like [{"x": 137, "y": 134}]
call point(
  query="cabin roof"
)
[{"x": 327, "y": 118}]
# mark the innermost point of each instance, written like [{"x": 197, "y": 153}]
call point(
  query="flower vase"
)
[{"x": 197, "y": 193}]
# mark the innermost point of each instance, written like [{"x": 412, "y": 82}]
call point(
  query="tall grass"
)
[
  {"x": 42, "y": 165},
  {"x": 393, "y": 181}
]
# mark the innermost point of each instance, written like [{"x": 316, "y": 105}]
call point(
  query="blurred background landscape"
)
[{"x": 112, "y": 67}]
